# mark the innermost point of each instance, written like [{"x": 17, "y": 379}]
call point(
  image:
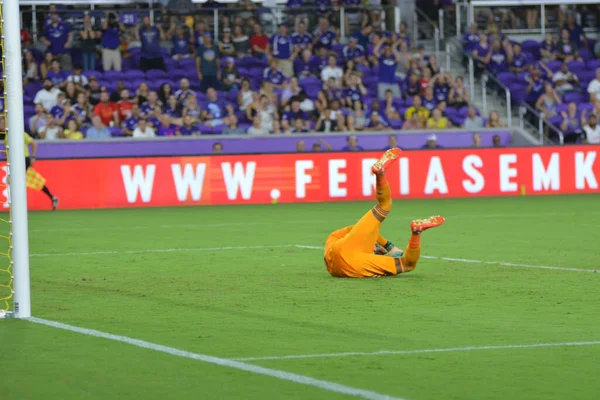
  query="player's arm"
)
[{"x": 34, "y": 147}]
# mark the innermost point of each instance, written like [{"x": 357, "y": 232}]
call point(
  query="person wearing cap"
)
[
  {"x": 354, "y": 51},
  {"x": 181, "y": 44},
  {"x": 388, "y": 60},
  {"x": 432, "y": 142},
  {"x": 301, "y": 39},
  {"x": 281, "y": 48},
  {"x": 47, "y": 96},
  {"x": 143, "y": 131},
  {"x": 352, "y": 144},
  {"x": 58, "y": 37},
  {"x": 208, "y": 64}
]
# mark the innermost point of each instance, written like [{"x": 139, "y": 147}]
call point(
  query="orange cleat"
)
[
  {"x": 388, "y": 158},
  {"x": 420, "y": 225}
]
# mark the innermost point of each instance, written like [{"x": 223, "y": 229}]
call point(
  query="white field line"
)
[
  {"x": 420, "y": 351},
  {"x": 286, "y": 376},
  {"x": 502, "y": 263},
  {"x": 200, "y": 225}
]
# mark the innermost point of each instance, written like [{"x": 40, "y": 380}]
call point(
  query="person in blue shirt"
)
[
  {"x": 111, "y": 42},
  {"x": 301, "y": 39},
  {"x": 354, "y": 51},
  {"x": 294, "y": 113},
  {"x": 535, "y": 87},
  {"x": 187, "y": 129},
  {"x": 320, "y": 61},
  {"x": 517, "y": 60},
  {"x": 282, "y": 49},
  {"x": 388, "y": 59},
  {"x": 58, "y": 37},
  {"x": 131, "y": 123},
  {"x": 273, "y": 75},
  {"x": 497, "y": 59},
  {"x": 150, "y": 36},
  {"x": 471, "y": 38},
  {"x": 181, "y": 44},
  {"x": 56, "y": 75},
  {"x": 352, "y": 141},
  {"x": 208, "y": 64},
  {"x": 303, "y": 65},
  {"x": 98, "y": 130},
  {"x": 324, "y": 35},
  {"x": 576, "y": 33}
]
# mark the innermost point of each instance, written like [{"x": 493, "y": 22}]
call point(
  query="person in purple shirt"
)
[
  {"x": 187, "y": 129},
  {"x": 517, "y": 60},
  {"x": 212, "y": 4},
  {"x": 535, "y": 86},
  {"x": 471, "y": 39},
  {"x": 302, "y": 39},
  {"x": 576, "y": 33},
  {"x": 58, "y": 37},
  {"x": 273, "y": 75},
  {"x": 403, "y": 34},
  {"x": 166, "y": 128},
  {"x": 320, "y": 61},
  {"x": 548, "y": 48},
  {"x": 481, "y": 55},
  {"x": 131, "y": 123},
  {"x": 324, "y": 35},
  {"x": 354, "y": 91},
  {"x": 572, "y": 123},
  {"x": 56, "y": 75},
  {"x": 354, "y": 51},
  {"x": 441, "y": 87},
  {"x": 497, "y": 59},
  {"x": 324, "y": 7},
  {"x": 150, "y": 36},
  {"x": 303, "y": 65},
  {"x": 567, "y": 49},
  {"x": 111, "y": 41},
  {"x": 388, "y": 58},
  {"x": 352, "y": 141},
  {"x": 181, "y": 44},
  {"x": 428, "y": 100},
  {"x": 288, "y": 117},
  {"x": 282, "y": 50}
]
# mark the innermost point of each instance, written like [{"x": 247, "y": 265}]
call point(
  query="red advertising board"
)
[{"x": 314, "y": 177}]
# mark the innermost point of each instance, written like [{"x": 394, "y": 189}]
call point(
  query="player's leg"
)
[
  {"x": 413, "y": 249},
  {"x": 44, "y": 189},
  {"x": 364, "y": 234}
]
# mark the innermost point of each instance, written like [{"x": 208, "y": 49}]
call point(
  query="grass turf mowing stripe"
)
[
  {"x": 93, "y": 253},
  {"x": 287, "y": 376},
  {"x": 506, "y": 264},
  {"x": 419, "y": 351}
]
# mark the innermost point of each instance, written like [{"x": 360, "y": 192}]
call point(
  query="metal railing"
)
[{"x": 544, "y": 126}]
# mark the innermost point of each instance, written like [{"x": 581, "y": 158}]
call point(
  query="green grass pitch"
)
[{"x": 106, "y": 270}]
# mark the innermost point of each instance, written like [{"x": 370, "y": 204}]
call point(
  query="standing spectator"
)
[
  {"x": 481, "y": 54},
  {"x": 576, "y": 33},
  {"x": 273, "y": 76},
  {"x": 567, "y": 49},
  {"x": 388, "y": 59},
  {"x": 226, "y": 48},
  {"x": 150, "y": 37},
  {"x": 107, "y": 110},
  {"x": 241, "y": 42},
  {"x": 473, "y": 121},
  {"x": 572, "y": 123},
  {"x": 143, "y": 130},
  {"x": 471, "y": 38},
  {"x": 535, "y": 86},
  {"x": 592, "y": 130},
  {"x": 594, "y": 88},
  {"x": 208, "y": 65},
  {"x": 231, "y": 76},
  {"x": 47, "y": 96},
  {"x": 354, "y": 51},
  {"x": 517, "y": 60},
  {"x": 98, "y": 130},
  {"x": 30, "y": 67},
  {"x": 88, "y": 44},
  {"x": 324, "y": 36},
  {"x": 281, "y": 48},
  {"x": 301, "y": 39},
  {"x": 181, "y": 44},
  {"x": 259, "y": 42},
  {"x": 58, "y": 37},
  {"x": 111, "y": 41}
]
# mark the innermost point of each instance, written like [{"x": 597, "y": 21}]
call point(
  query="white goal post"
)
[{"x": 11, "y": 55}]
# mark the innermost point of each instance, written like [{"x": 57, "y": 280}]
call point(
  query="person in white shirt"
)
[
  {"x": 592, "y": 130},
  {"x": 143, "y": 130},
  {"x": 564, "y": 80},
  {"x": 332, "y": 71},
  {"x": 594, "y": 88},
  {"x": 51, "y": 131},
  {"x": 257, "y": 129},
  {"x": 47, "y": 96}
]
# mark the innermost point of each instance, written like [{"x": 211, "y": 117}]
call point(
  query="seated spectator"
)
[
  {"x": 535, "y": 86},
  {"x": 173, "y": 109},
  {"x": 324, "y": 35},
  {"x": 231, "y": 76},
  {"x": 181, "y": 44},
  {"x": 576, "y": 32},
  {"x": 152, "y": 106},
  {"x": 388, "y": 60},
  {"x": 273, "y": 75},
  {"x": 327, "y": 122},
  {"x": 338, "y": 115},
  {"x": 52, "y": 130},
  {"x": 594, "y": 88},
  {"x": 548, "y": 49},
  {"x": 232, "y": 127},
  {"x": 142, "y": 93},
  {"x": 193, "y": 109},
  {"x": 80, "y": 81},
  {"x": 418, "y": 109},
  {"x": 425, "y": 80},
  {"x": 150, "y": 36},
  {"x": 375, "y": 122},
  {"x": 476, "y": 140},
  {"x": 56, "y": 75},
  {"x": 303, "y": 65},
  {"x": 390, "y": 110},
  {"x": 499, "y": 57},
  {"x": 143, "y": 130},
  {"x": 259, "y": 42},
  {"x": 567, "y": 49},
  {"x": 188, "y": 128},
  {"x": 354, "y": 51},
  {"x": 429, "y": 101},
  {"x": 357, "y": 118},
  {"x": 94, "y": 91},
  {"x": 82, "y": 110},
  {"x": 184, "y": 92},
  {"x": 291, "y": 89},
  {"x": 218, "y": 113},
  {"x": 494, "y": 121},
  {"x": 320, "y": 61},
  {"x": 124, "y": 105},
  {"x": 411, "y": 86},
  {"x": 295, "y": 113},
  {"x": 352, "y": 141},
  {"x": 458, "y": 96},
  {"x": 47, "y": 96},
  {"x": 572, "y": 123},
  {"x": 334, "y": 92},
  {"x": 437, "y": 121},
  {"x": 71, "y": 92},
  {"x": 597, "y": 49},
  {"x": 246, "y": 95},
  {"x": 30, "y": 67},
  {"x": 98, "y": 130},
  {"x": 441, "y": 87},
  {"x": 257, "y": 128},
  {"x": 164, "y": 92},
  {"x": 208, "y": 64},
  {"x": 38, "y": 121},
  {"x": 300, "y": 126},
  {"x": 413, "y": 123},
  {"x": 517, "y": 60},
  {"x": 548, "y": 101},
  {"x": 46, "y": 63},
  {"x": 217, "y": 148},
  {"x": 241, "y": 42},
  {"x": 564, "y": 80},
  {"x": 307, "y": 105},
  {"x": 72, "y": 133},
  {"x": 115, "y": 96},
  {"x": 131, "y": 122},
  {"x": 301, "y": 39},
  {"x": 592, "y": 130},
  {"x": 376, "y": 107},
  {"x": 107, "y": 110},
  {"x": 167, "y": 128},
  {"x": 332, "y": 71},
  {"x": 355, "y": 90},
  {"x": 473, "y": 121},
  {"x": 432, "y": 143},
  {"x": 226, "y": 48}
]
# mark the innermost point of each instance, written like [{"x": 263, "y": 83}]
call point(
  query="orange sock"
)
[
  {"x": 383, "y": 192},
  {"x": 412, "y": 253}
]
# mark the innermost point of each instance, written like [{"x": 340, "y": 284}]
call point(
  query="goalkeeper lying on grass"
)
[{"x": 359, "y": 251}]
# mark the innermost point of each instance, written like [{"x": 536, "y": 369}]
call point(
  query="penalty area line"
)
[
  {"x": 420, "y": 351},
  {"x": 501, "y": 263},
  {"x": 255, "y": 369}
]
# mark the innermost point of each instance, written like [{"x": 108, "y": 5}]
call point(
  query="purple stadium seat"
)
[
  {"x": 533, "y": 47},
  {"x": 507, "y": 78},
  {"x": 134, "y": 74},
  {"x": 184, "y": 62},
  {"x": 556, "y": 120},
  {"x": 585, "y": 106},
  {"x": 396, "y": 124},
  {"x": 155, "y": 74},
  {"x": 113, "y": 75},
  {"x": 593, "y": 64},
  {"x": 311, "y": 80},
  {"x": 312, "y": 90},
  {"x": 28, "y": 109},
  {"x": 115, "y": 132},
  {"x": 562, "y": 107},
  {"x": 586, "y": 54},
  {"x": 576, "y": 65},
  {"x": 127, "y": 64},
  {"x": 554, "y": 65},
  {"x": 32, "y": 88},
  {"x": 518, "y": 92},
  {"x": 97, "y": 74},
  {"x": 586, "y": 75},
  {"x": 574, "y": 96}
]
